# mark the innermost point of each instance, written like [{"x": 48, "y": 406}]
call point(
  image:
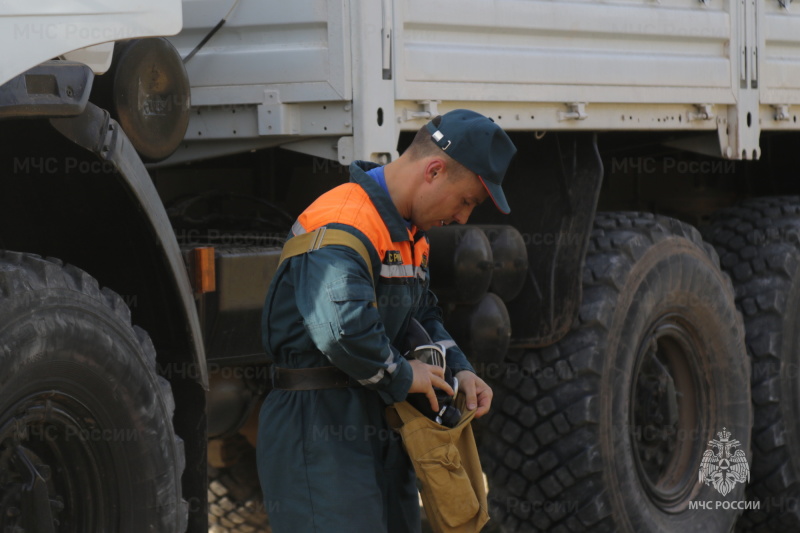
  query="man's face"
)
[{"x": 447, "y": 198}]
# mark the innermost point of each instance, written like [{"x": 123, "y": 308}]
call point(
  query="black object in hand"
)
[{"x": 449, "y": 415}]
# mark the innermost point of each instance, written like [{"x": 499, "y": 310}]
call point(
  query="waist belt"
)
[{"x": 323, "y": 377}]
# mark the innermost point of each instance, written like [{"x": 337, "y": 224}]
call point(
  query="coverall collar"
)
[{"x": 383, "y": 202}]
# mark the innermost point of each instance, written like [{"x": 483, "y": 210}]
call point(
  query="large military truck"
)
[
  {"x": 88, "y": 440},
  {"x": 635, "y": 313},
  {"x": 651, "y": 309}
]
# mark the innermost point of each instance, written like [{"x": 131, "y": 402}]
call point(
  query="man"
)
[{"x": 327, "y": 460}]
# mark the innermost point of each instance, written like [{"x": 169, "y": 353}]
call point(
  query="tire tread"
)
[
  {"x": 759, "y": 241},
  {"x": 561, "y": 458},
  {"x": 23, "y": 273}
]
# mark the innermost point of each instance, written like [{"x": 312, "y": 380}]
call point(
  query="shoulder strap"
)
[{"x": 314, "y": 240}]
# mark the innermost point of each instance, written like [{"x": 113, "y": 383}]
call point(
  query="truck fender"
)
[{"x": 95, "y": 131}]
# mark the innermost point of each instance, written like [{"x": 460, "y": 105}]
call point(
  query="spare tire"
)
[
  {"x": 235, "y": 500},
  {"x": 148, "y": 92},
  {"x": 606, "y": 429},
  {"x": 759, "y": 244}
]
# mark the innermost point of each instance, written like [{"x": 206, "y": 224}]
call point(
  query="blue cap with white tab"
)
[{"x": 479, "y": 144}]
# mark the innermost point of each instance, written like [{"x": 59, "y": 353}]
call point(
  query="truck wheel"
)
[
  {"x": 235, "y": 500},
  {"x": 605, "y": 430},
  {"x": 86, "y": 438},
  {"x": 759, "y": 245}
]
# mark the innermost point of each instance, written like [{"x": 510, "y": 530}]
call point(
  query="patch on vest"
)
[
  {"x": 393, "y": 257},
  {"x": 424, "y": 263}
]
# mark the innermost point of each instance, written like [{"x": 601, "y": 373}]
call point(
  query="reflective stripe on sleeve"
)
[
  {"x": 391, "y": 367},
  {"x": 297, "y": 228}
]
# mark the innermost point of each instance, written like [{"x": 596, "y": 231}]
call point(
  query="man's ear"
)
[{"x": 434, "y": 169}]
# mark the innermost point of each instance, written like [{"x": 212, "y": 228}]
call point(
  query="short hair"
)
[{"x": 423, "y": 146}]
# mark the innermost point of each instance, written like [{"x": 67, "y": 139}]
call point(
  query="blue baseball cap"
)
[{"x": 479, "y": 144}]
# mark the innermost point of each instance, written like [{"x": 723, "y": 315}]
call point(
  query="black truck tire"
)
[
  {"x": 605, "y": 430},
  {"x": 86, "y": 436},
  {"x": 235, "y": 500},
  {"x": 759, "y": 245}
]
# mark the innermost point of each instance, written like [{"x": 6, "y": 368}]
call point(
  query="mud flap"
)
[{"x": 552, "y": 189}]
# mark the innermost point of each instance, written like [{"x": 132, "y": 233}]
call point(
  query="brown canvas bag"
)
[{"x": 448, "y": 467}]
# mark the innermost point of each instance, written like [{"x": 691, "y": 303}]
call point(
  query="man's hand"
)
[
  {"x": 426, "y": 377},
  {"x": 478, "y": 393}
]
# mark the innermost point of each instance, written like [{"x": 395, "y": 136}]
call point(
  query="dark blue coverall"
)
[{"x": 327, "y": 460}]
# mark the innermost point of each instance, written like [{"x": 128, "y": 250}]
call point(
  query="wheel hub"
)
[
  {"x": 666, "y": 399},
  {"x": 48, "y": 468}
]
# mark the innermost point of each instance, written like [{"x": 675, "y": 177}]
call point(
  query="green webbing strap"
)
[{"x": 314, "y": 240}]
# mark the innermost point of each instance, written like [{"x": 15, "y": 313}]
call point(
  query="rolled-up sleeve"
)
[{"x": 336, "y": 299}]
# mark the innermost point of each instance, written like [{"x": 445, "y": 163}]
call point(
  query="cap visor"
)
[{"x": 497, "y": 196}]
